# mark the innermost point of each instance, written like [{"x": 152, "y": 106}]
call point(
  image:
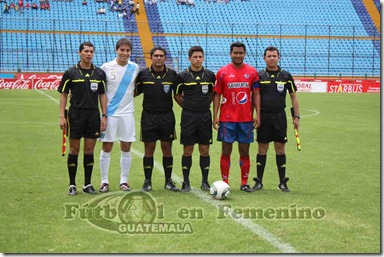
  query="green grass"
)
[{"x": 338, "y": 171}]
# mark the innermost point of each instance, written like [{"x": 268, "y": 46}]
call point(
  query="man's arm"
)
[
  {"x": 103, "y": 105},
  {"x": 295, "y": 105},
  {"x": 216, "y": 106},
  {"x": 179, "y": 99},
  {"x": 63, "y": 104},
  {"x": 257, "y": 104}
]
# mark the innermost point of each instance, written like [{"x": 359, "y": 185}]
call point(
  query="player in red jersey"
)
[{"x": 237, "y": 88}]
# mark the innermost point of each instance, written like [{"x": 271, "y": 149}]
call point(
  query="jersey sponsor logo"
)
[
  {"x": 280, "y": 86},
  {"x": 238, "y": 85},
  {"x": 204, "y": 89},
  {"x": 242, "y": 98},
  {"x": 93, "y": 87},
  {"x": 166, "y": 88}
]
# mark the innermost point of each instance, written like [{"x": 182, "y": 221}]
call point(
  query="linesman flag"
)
[
  {"x": 64, "y": 135},
  {"x": 296, "y": 132}
]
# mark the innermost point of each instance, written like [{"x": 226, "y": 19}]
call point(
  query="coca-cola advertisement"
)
[
  {"x": 39, "y": 75},
  {"x": 47, "y": 84},
  {"x": 16, "y": 84}
]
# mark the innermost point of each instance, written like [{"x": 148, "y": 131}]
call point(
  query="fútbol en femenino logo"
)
[{"x": 132, "y": 212}]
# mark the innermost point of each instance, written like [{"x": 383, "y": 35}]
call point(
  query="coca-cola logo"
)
[
  {"x": 39, "y": 76},
  {"x": 15, "y": 84},
  {"x": 48, "y": 84}
]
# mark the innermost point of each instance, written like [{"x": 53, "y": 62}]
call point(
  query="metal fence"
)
[{"x": 51, "y": 45}]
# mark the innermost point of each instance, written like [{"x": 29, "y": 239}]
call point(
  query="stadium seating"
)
[{"x": 310, "y": 41}]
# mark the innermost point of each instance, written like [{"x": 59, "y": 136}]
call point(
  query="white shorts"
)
[{"x": 121, "y": 128}]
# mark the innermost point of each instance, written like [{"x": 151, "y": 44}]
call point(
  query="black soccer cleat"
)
[
  {"x": 147, "y": 186},
  {"x": 89, "y": 189},
  {"x": 72, "y": 190},
  {"x": 205, "y": 186},
  {"x": 258, "y": 185},
  {"x": 246, "y": 188},
  {"x": 283, "y": 185},
  {"x": 171, "y": 186},
  {"x": 186, "y": 187}
]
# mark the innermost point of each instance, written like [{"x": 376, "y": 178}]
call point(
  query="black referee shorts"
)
[
  {"x": 157, "y": 126},
  {"x": 83, "y": 123},
  {"x": 273, "y": 127},
  {"x": 196, "y": 127}
]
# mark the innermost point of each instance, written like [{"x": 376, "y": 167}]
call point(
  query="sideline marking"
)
[
  {"x": 253, "y": 227},
  {"x": 247, "y": 224}
]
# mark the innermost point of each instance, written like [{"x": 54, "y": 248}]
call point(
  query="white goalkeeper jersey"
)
[{"x": 120, "y": 87}]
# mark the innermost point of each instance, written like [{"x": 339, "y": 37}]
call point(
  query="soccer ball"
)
[{"x": 219, "y": 190}]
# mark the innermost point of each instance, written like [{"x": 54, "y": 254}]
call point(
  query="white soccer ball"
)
[{"x": 219, "y": 190}]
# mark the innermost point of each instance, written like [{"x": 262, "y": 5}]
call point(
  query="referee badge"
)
[
  {"x": 166, "y": 88},
  {"x": 280, "y": 86},
  {"x": 93, "y": 87},
  {"x": 204, "y": 89}
]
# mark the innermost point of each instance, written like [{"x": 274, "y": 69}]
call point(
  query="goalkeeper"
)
[{"x": 274, "y": 84}]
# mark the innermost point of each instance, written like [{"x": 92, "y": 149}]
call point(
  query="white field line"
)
[{"x": 247, "y": 224}]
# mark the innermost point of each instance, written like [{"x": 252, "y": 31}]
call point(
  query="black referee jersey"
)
[
  {"x": 157, "y": 88},
  {"x": 197, "y": 88},
  {"x": 273, "y": 89},
  {"x": 84, "y": 86}
]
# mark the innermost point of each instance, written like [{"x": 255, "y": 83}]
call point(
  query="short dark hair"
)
[
  {"x": 195, "y": 49},
  {"x": 271, "y": 48},
  {"x": 158, "y": 48},
  {"x": 87, "y": 43},
  {"x": 237, "y": 44},
  {"x": 123, "y": 41}
]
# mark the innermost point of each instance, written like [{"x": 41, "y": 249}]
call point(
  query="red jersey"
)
[{"x": 235, "y": 86}]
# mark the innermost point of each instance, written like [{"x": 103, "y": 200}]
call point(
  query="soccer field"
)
[{"x": 334, "y": 206}]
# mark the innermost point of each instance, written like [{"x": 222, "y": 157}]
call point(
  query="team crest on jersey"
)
[
  {"x": 166, "y": 88},
  {"x": 204, "y": 89},
  {"x": 93, "y": 86},
  {"x": 223, "y": 100},
  {"x": 246, "y": 75},
  {"x": 242, "y": 97},
  {"x": 280, "y": 86}
]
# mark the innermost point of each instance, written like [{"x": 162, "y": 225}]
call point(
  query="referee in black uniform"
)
[
  {"x": 157, "y": 117},
  {"x": 194, "y": 94},
  {"x": 274, "y": 84},
  {"x": 85, "y": 83}
]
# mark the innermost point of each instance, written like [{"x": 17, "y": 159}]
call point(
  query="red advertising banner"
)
[
  {"x": 47, "y": 84},
  {"x": 39, "y": 76},
  {"x": 354, "y": 86}
]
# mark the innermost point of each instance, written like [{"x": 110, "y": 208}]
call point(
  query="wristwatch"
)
[
  {"x": 104, "y": 115},
  {"x": 297, "y": 116}
]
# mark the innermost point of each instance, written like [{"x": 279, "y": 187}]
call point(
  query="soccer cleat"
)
[
  {"x": 89, "y": 189},
  {"x": 186, "y": 187},
  {"x": 283, "y": 185},
  {"x": 147, "y": 185},
  {"x": 104, "y": 188},
  {"x": 125, "y": 187},
  {"x": 171, "y": 186},
  {"x": 205, "y": 186},
  {"x": 246, "y": 188},
  {"x": 258, "y": 185},
  {"x": 72, "y": 190}
]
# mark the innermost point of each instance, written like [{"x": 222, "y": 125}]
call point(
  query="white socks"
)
[
  {"x": 125, "y": 165},
  {"x": 105, "y": 159}
]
